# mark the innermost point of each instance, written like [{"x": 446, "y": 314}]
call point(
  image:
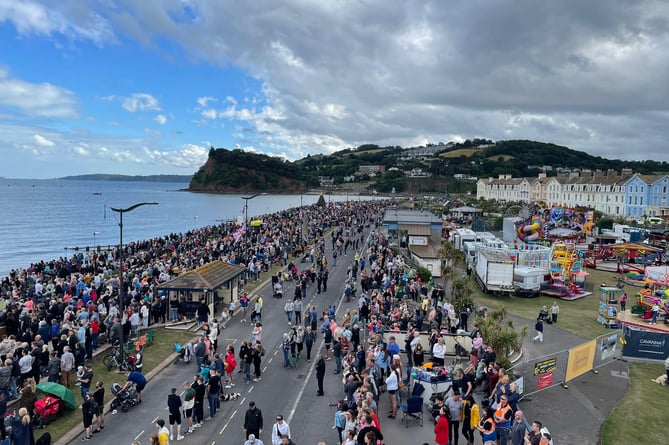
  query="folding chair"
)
[
  {"x": 150, "y": 336},
  {"x": 412, "y": 410}
]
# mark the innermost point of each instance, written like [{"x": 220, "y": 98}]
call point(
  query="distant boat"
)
[{"x": 97, "y": 193}]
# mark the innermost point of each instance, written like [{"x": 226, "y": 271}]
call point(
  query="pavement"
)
[{"x": 574, "y": 415}]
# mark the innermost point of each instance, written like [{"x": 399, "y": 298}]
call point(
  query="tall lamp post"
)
[
  {"x": 95, "y": 250},
  {"x": 246, "y": 214},
  {"x": 121, "y": 252}
]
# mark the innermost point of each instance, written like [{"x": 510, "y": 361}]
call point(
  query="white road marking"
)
[
  {"x": 139, "y": 435},
  {"x": 154, "y": 420},
  {"x": 228, "y": 422}
]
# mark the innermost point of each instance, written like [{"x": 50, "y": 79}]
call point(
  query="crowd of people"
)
[
  {"x": 55, "y": 312},
  {"x": 395, "y": 305}
]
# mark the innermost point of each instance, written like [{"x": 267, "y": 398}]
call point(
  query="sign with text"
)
[
  {"x": 545, "y": 366},
  {"x": 545, "y": 380},
  {"x": 646, "y": 344}
]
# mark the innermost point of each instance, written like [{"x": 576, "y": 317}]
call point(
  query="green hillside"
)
[{"x": 239, "y": 171}]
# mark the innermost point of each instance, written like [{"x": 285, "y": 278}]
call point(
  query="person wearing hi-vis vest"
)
[
  {"x": 487, "y": 427},
  {"x": 503, "y": 416}
]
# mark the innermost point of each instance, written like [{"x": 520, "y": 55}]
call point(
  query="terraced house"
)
[{"x": 623, "y": 194}]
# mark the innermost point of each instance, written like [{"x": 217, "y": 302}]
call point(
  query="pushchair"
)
[
  {"x": 277, "y": 291},
  {"x": 185, "y": 352},
  {"x": 543, "y": 315},
  {"x": 46, "y": 410},
  {"x": 123, "y": 398}
]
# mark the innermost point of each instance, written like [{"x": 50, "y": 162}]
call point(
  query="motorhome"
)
[{"x": 527, "y": 281}]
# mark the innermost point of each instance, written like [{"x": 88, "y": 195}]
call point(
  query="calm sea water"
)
[{"x": 47, "y": 219}]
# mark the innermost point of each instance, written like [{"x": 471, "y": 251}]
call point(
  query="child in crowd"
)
[{"x": 80, "y": 374}]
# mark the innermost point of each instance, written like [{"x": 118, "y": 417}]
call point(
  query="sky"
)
[{"x": 148, "y": 87}]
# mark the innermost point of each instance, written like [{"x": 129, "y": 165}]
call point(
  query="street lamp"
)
[
  {"x": 95, "y": 250},
  {"x": 120, "y": 225},
  {"x": 246, "y": 214}
]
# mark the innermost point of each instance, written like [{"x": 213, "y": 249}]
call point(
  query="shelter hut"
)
[{"x": 216, "y": 283}]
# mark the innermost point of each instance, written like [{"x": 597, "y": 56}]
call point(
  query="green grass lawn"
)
[
  {"x": 640, "y": 418},
  {"x": 577, "y": 316},
  {"x": 155, "y": 353}
]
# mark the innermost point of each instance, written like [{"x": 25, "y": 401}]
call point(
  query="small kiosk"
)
[{"x": 609, "y": 305}]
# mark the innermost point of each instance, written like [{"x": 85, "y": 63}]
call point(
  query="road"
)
[{"x": 290, "y": 392}]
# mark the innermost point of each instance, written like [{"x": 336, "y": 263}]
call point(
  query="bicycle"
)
[{"x": 117, "y": 358}]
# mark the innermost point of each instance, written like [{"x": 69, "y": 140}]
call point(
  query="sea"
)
[{"x": 49, "y": 219}]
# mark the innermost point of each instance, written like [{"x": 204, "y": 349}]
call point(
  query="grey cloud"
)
[{"x": 590, "y": 75}]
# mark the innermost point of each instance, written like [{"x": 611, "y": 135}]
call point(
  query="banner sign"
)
[
  {"x": 581, "y": 359},
  {"x": 545, "y": 366},
  {"x": 545, "y": 380},
  {"x": 646, "y": 344}
]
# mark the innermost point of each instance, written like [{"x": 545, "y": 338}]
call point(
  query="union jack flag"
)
[{"x": 239, "y": 233}]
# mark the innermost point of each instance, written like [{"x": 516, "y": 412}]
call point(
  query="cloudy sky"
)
[{"x": 146, "y": 87}]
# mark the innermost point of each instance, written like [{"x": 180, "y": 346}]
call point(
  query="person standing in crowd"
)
[
  {"x": 99, "y": 397},
  {"x": 470, "y": 418},
  {"x": 200, "y": 391},
  {"x": 188, "y": 405},
  {"x": 213, "y": 391},
  {"x": 253, "y": 441},
  {"x": 89, "y": 409},
  {"x": 655, "y": 310},
  {"x": 623, "y": 301},
  {"x": 253, "y": 421},
  {"x": 518, "y": 429},
  {"x": 174, "y": 410},
  {"x": 309, "y": 339},
  {"x": 139, "y": 358},
  {"x": 487, "y": 427},
  {"x": 3, "y": 413},
  {"x": 257, "y": 353},
  {"x": 442, "y": 428},
  {"x": 503, "y": 416},
  {"x": 163, "y": 432},
  {"x": 320, "y": 373},
  {"x": 454, "y": 405},
  {"x": 555, "y": 311},
  {"x": 53, "y": 367},
  {"x": 534, "y": 436},
  {"x": 86, "y": 379},
  {"x": 288, "y": 309},
  {"x": 22, "y": 429},
  {"x": 279, "y": 430}
]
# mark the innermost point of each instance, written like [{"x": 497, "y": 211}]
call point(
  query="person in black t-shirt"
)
[
  {"x": 214, "y": 388},
  {"x": 174, "y": 408}
]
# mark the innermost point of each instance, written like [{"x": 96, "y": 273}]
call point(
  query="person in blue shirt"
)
[
  {"x": 393, "y": 347},
  {"x": 138, "y": 379}
]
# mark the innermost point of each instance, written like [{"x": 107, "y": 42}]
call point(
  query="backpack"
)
[{"x": 93, "y": 407}]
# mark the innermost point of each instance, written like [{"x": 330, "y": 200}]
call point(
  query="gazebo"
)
[{"x": 215, "y": 282}]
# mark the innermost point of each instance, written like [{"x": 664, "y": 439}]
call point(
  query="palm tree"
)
[
  {"x": 499, "y": 332},
  {"x": 448, "y": 256},
  {"x": 462, "y": 294}
]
